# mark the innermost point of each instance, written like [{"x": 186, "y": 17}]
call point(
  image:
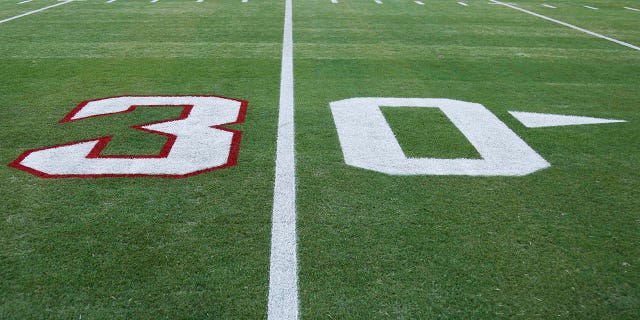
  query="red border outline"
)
[{"x": 232, "y": 160}]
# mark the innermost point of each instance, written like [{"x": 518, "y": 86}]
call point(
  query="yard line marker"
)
[
  {"x": 463, "y": 4},
  {"x": 590, "y": 7},
  {"x": 200, "y": 1},
  {"x": 334, "y": 1},
  {"x": 378, "y": 1},
  {"x": 25, "y": 1},
  {"x": 36, "y": 11},
  {"x": 628, "y": 45},
  {"x": 419, "y": 2},
  {"x": 549, "y": 6},
  {"x": 245, "y": 1},
  {"x": 154, "y": 1},
  {"x": 110, "y": 1},
  {"x": 632, "y": 9},
  {"x": 283, "y": 267}
]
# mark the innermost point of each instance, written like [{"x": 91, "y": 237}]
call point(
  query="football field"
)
[{"x": 319, "y": 159}]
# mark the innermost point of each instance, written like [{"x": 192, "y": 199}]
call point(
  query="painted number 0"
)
[
  {"x": 195, "y": 141},
  {"x": 368, "y": 142}
]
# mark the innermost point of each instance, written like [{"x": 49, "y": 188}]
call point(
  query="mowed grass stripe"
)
[
  {"x": 374, "y": 246},
  {"x": 136, "y": 248}
]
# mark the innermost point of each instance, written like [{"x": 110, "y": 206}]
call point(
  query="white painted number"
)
[
  {"x": 368, "y": 142},
  {"x": 195, "y": 142}
]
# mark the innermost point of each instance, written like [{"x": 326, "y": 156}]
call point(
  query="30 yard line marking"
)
[
  {"x": 36, "y": 11},
  {"x": 283, "y": 266},
  {"x": 632, "y": 9},
  {"x": 628, "y": 45}
]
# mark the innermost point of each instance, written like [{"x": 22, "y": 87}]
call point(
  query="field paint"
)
[
  {"x": 368, "y": 142},
  {"x": 541, "y": 120},
  {"x": 334, "y": 1},
  {"x": 628, "y": 45},
  {"x": 25, "y": 1},
  {"x": 378, "y": 1},
  {"x": 245, "y": 1},
  {"x": 36, "y": 11},
  {"x": 154, "y": 1},
  {"x": 632, "y": 9},
  {"x": 590, "y": 7},
  {"x": 195, "y": 141},
  {"x": 200, "y": 1},
  {"x": 110, "y": 1},
  {"x": 463, "y": 4},
  {"x": 549, "y": 6},
  {"x": 283, "y": 268},
  {"x": 419, "y": 2}
]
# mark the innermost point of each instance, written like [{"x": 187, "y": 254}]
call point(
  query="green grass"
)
[{"x": 561, "y": 243}]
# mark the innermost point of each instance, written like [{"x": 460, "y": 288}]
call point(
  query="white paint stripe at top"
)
[
  {"x": 463, "y": 4},
  {"x": 628, "y": 45},
  {"x": 154, "y": 1},
  {"x": 590, "y": 7},
  {"x": 245, "y": 1},
  {"x": 632, "y": 9},
  {"x": 110, "y": 1},
  {"x": 36, "y": 11},
  {"x": 283, "y": 266},
  {"x": 334, "y": 1},
  {"x": 419, "y": 2},
  {"x": 24, "y": 1},
  {"x": 549, "y": 6},
  {"x": 378, "y": 1},
  {"x": 200, "y": 1}
]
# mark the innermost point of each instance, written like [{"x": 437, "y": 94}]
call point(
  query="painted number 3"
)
[{"x": 195, "y": 141}]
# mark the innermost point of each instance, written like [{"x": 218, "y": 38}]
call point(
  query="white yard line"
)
[
  {"x": 111, "y": 1},
  {"x": 419, "y": 2},
  {"x": 283, "y": 268},
  {"x": 632, "y": 9},
  {"x": 334, "y": 1},
  {"x": 378, "y": 1},
  {"x": 549, "y": 6},
  {"x": 590, "y": 7},
  {"x": 36, "y": 11},
  {"x": 24, "y": 1},
  {"x": 245, "y": 1},
  {"x": 154, "y": 1},
  {"x": 463, "y": 4},
  {"x": 628, "y": 45}
]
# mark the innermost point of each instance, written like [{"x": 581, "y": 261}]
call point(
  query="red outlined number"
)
[{"x": 196, "y": 142}]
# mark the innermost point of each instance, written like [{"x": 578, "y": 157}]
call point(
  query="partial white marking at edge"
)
[
  {"x": 463, "y": 4},
  {"x": 419, "y": 2},
  {"x": 378, "y": 1},
  {"x": 334, "y": 1},
  {"x": 590, "y": 7},
  {"x": 110, "y": 1},
  {"x": 24, "y": 1},
  {"x": 283, "y": 268},
  {"x": 628, "y": 45},
  {"x": 549, "y": 6},
  {"x": 35, "y": 11},
  {"x": 632, "y": 9},
  {"x": 541, "y": 120}
]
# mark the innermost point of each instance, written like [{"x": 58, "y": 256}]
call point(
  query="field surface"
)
[{"x": 421, "y": 188}]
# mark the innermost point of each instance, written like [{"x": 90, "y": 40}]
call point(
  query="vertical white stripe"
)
[
  {"x": 35, "y": 11},
  {"x": 283, "y": 269},
  {"x": 628, "y": 45}
]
